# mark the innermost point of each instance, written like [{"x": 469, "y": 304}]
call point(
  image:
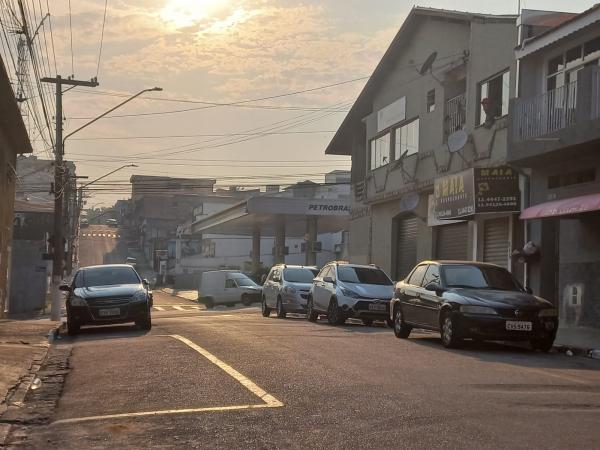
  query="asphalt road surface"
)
[
  {"x": 233, "y": 379},
  {"x": 100, "y": 244}
]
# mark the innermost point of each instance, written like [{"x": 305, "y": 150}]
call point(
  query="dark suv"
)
[{"x": 107, "y": 294}]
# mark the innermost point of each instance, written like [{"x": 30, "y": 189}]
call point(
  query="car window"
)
[
  {"x": 363, "y": 275},
  {"x": 432, "y": 275},
  {"x": 417, "y": 276},
  {"x": 108, "y": 276},
  {"x": 230, "y": 284},
  {"x": 243, "y": 280},
  {"x": 479, "y": 277},
  {"x": 298, "y": 275},
  {"x": 78, "y": 280}
]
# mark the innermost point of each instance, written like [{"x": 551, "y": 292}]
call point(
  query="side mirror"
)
[
  {"x": 328, "y": 280},
  {"x": 145, "y": 282},
  {"x": 529, "y": 290},
  {"x": 435, "y": 287},
  {"x": 65, "y": 288}
]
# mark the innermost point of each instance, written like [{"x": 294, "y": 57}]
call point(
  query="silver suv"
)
[
  {"x": 286, "y": 289},
  {"x": 343, "y": 290}
]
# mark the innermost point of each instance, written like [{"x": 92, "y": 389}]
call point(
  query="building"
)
[
  {"x": 554, "y": 139},
  {"x": 428, "y": 136},
  {"x": 13, "y": 141}
]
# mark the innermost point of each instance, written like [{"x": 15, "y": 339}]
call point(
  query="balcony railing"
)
[
  {"x": 596, "y": 93},
  {"x": 455, "y": 114},
  {"x": 545, "y": 114}
]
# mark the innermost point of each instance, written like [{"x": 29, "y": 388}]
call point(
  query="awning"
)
[{"x": 566, "y": 207}]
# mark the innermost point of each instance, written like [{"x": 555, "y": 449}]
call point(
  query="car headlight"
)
[
  {"x": 78, "y": 301},
  {"x": 471, "y": 309},
  {"x": 140, "y": 296},
  {"x": 548, "y": 312},
  {"x": 289, "y": 290},
  {"x": 349, "y": 293}
]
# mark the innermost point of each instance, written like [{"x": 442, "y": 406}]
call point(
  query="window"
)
[
  {"x": 571, "y": 178},
  {"x": 230, "y": 284},
  {"x": 303, "y": 275},
  {"x": 493, "y": 97},
  {"x": 479, "y": 277},
  {"x": 431, "y": 101},
  {"x": 407, "y": 140},
  {"x": 417, "y": 276},
  {"x": 432, "y": 275},
  {"x": 380, "y": 151},
  {"x": 562, "y": 69},
  {"x": 363, "y": 275}
]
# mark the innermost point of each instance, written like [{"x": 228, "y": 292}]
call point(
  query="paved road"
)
[
  {"x": 100, "y": 244},
  {"x": 233, "y": 379}
]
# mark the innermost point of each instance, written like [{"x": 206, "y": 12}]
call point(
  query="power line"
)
[
  {"x": 51, "y": 36},
  {"x": 101, "y": 38},
  {"x": 183, "y": 136},
  {"x": 71, "y": 34}
]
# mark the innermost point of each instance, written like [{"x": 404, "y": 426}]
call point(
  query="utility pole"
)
[{"x": 58, "y": 252}]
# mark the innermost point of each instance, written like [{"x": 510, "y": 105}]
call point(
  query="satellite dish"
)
[
  {"x": 457, "y": 141},
  {"x": 409, "y": 202},
  {"x": 426, "y": 67}
]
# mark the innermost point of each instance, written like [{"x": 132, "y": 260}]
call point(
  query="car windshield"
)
[
  {"x": 107, "y": 276},
  {"x": 303, "y": 275},
  {"x": 243, "y": 281},
  {"x": 363, "y": 275},
  {"x": 479, "y": 277}
]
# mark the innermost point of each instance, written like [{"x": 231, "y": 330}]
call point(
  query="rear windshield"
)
[
  {"x": 106, "y": 276},
  {"x": 363, "y": 275},
  {"x": 303, "y": 275}
]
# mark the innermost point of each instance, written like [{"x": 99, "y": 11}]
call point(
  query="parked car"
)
[
  {"x": 131, "y": 261},
  {"x": 108, "y": 294},
  {"x": 471, "y": 300},
  {"x": 227, "y": 287},
  {"x": 286, "y": 289},
  {"x": 112, "y": 223},
  {"x": 83, "y": 223},
  {"x": 343, "y": 290}
]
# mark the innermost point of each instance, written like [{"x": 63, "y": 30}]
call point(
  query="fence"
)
[{"x": 455, "y": 114}]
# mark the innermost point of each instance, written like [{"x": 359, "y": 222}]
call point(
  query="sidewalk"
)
[
  {"x": 192, "y": 296},
  {"x": 580, "y": 340},
  {"x": 23, "y": 347}
]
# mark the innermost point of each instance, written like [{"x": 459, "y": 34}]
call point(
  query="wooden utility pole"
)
[{"x": 60, "y": 175}]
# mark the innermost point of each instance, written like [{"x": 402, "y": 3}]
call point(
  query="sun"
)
[{"x": 185, "y": 13}]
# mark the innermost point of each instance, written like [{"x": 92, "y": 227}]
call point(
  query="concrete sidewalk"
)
[
  {"x": 584, "y": 341},
  {"x": 23, "y": 347},
  {"x": 192, "y": 296}
]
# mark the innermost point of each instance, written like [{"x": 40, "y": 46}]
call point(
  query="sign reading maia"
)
[{"x": 479, "y": 190}]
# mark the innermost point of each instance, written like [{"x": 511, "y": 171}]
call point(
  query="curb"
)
[
  {"x": 578, "y": 351},
  {"x": 173, "y": 293}
]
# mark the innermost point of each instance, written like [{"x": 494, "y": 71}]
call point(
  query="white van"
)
[{"x": 226, "y": 287}]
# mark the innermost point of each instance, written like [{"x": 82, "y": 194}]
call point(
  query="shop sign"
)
[
  {"x": 328, "y": 209},
  {"x": 479, "y": 190}
]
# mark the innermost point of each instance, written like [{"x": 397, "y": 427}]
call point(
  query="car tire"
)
[
  {"x": 335, "y": 315},
  {"x": 145, "y": 323},
  {"x": 367, "y": 322},
  {"x": 73, "y": 327},
  {"x": 543, "y": 344},
  {"x": 281, "y": 314},
  {"x": 208, "y": 302},
  {"x": 311, "y": 314},
  {"x": 401, "y": 330},
  {"x": 448, "y": 331},
  {"x": 246, "y": 300},
  {"x": 265, "y": 310}
]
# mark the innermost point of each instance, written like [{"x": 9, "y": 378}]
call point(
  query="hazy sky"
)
[{"x": 226, "y": 51}]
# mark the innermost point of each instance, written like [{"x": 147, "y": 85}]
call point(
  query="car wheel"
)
[
  {"x": 73, "y": 327},
  {"x": 448, "y": 333},
  {"x": 208, "y": 302},
  {"x": 266, "y": 311},
  {"x": 246, "y": 301},
  {"x": 335, "y": 316},
  {"x": 401, "y": 330},
  {"x": 543, "y": 344},
  {"x": 280, "y": 310},
  {"x": 146, "y": 323},
  {"x": 367, "y": 322},
  {"x": 311, "y": 314}
]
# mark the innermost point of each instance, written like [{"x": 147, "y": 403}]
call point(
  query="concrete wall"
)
[
  {"x": 7, "y": 197},
  {"x": 29, "y": 277}
]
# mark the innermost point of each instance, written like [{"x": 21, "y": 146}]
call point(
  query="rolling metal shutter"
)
[
  {"x": 496, "y": 241},
  {"x": 406, "y": 252},
  {"x": 452, "y": 241}
]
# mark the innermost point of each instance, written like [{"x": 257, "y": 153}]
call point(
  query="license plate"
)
[
  {"x": 377, "y": 307},
  {"x": 109, "y": 312},
  {"x": 518, "y": 326}
]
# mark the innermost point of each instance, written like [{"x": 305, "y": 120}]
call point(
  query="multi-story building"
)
[
  {"x": 555, "y": 140},
  {"x": 13, "y": 141},
  {"x": 428, "y": 137}
]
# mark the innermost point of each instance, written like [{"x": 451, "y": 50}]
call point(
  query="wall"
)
[
  {"x": 29, "y": 276},
  {"x": 7, "y": 196}
]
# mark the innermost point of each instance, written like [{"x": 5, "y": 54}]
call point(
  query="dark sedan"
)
[
  {"x": 109, "y": 294},
  {"x": 471, "y": 300}
]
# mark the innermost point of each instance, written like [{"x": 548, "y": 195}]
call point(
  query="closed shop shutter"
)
[
  {"x": 452, "y": 241},
  {"x": 406, "y": 254},
  {"x": 496, "y": 241}
]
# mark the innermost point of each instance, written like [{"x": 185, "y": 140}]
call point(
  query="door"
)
[
  {"x": 231, "y": 292},
  {"x": 406, "y": 246},
  {"x": 496, "y": 245},
  {"x": 411, "y": 295},
  {"x": 273, "y": 287},
  {"x": 452, "y": 241},
  {"x": 320, "y": 290},
  {"x": 431, "y": 303}
]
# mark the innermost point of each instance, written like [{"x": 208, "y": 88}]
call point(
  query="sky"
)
[{"x": 222, "y": 51}]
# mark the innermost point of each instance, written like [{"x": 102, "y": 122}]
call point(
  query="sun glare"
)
[{"x": 185, "y": 13}]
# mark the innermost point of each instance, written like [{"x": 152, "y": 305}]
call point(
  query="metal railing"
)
[
  {"x": 596, "y": 93},
  {"x": 456, "y": 113},
  {"x": 545, "y": 114}
]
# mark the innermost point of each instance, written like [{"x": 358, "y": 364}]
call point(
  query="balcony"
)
[
  {"x": 455, "y": 117},
  {"x": 560, "y": 118}
]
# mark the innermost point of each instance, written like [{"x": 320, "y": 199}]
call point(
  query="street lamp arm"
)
[{"x": 109, "y": 111}]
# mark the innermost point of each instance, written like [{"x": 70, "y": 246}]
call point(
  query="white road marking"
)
[
  {"x": 178, "y": 308},
  {"x": 159, "y": 308},
  {"x": 268, "y": 399},
  {"x": 195, "y": 307}
]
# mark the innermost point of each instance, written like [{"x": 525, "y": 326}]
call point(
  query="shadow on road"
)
[{"x": 124, "y": 331}]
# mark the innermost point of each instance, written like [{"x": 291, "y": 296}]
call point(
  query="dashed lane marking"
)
[
  {"x": 269, "y": 400},
  {"x": 178, "y": 308},
  {"x": 159, "y": 308}
]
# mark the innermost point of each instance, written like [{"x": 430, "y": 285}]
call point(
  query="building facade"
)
[
  {"x": 554, "y": 138},
  {"x": 428, "y": 137}
]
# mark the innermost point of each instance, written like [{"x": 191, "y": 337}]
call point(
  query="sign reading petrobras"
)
[
  {"x": 316, "y": 207},
  {"x": 479, "y": 190},
  {"x": 391, "y": 114}
]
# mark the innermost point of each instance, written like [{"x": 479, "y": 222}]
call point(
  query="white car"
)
[
  {"x": 227, "y": 287},
  {"x": 341, "y": 291},
  {"x": 286, "y": 289}
]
